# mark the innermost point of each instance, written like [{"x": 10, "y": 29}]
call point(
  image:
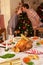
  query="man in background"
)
[{"x": 32, "y": 15}]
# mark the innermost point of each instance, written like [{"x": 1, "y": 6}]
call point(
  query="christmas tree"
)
[{"x": 24, "y": 26}]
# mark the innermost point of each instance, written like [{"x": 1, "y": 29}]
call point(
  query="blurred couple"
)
[{"x": 30, "y": 14}]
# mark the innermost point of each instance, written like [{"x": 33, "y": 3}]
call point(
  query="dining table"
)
[{"x": 18, "y": 58}]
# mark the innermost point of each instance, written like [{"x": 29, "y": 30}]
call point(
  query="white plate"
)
[
  {"x": 9, "y": 43},
  {"x": 36, "y": 62},
  {"x": 16, "y": 39},
  {"x": 35, "y": 39}
]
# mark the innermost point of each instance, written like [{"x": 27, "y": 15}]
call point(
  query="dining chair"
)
[
  {"x": 2, "y": 27},
  {"x": 40, "y": 29}
]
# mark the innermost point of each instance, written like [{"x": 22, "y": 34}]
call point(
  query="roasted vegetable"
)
[
  {"x": 26, "y": 59},
  {"x": 30, "y": 63},
  {"x": 7, "y": 56},
  {"x": 38, "y": 43}
]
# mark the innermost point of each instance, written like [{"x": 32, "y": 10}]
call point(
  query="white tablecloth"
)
[{"x": 21, "y": 55}]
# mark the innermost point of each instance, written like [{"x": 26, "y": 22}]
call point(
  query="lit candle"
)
[{"x": 6, "y": 45}]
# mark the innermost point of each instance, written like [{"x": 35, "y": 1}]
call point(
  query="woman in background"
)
[{"x": 13, "y": 21}]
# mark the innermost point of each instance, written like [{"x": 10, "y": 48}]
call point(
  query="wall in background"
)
[
  {"x": 7, "y": 9},
  {"x": 41, "y": 0},
  {"x": 13, "y": 5},
  {"x": 0, "y": 6},
  {"x": 33, "y": 3}
]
